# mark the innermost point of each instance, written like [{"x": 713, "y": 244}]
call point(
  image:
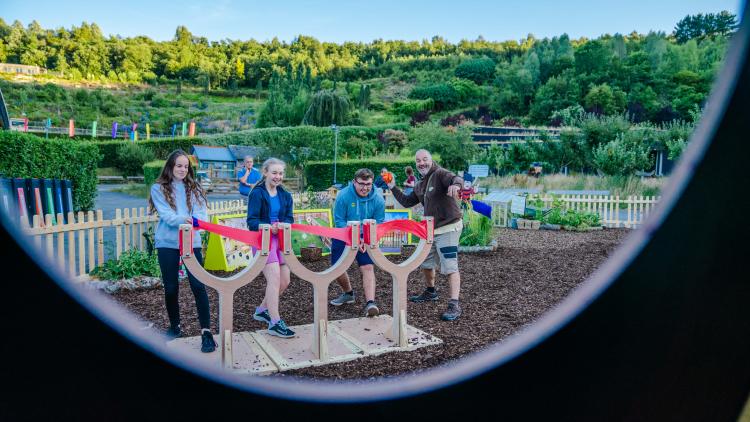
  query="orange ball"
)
[{"x": 388, "y": 177}]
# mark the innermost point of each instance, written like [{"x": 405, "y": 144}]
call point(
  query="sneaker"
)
[
  {"x": 425, "y": 296},
  {"x": 174, "y": 332},
  {"x": 453, "y": 312},
  {"x": 208, "y": 344},
  {"x": 263, "y": 317},
  {"x": 280, "y": 330},
  {"x": 371, "y": 309},
  {"x": 344, "y": 298}
]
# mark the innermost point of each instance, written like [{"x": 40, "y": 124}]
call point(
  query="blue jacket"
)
[
  {"x": 351, "y": 207},
  {"x": 259, "y": 206},
  {"x": 169, "y": 220}
]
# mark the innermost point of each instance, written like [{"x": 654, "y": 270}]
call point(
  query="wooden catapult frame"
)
[{"x": 226, "y": 287}]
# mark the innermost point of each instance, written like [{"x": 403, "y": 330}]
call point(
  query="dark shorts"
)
[{"x": 337, "y": 248}]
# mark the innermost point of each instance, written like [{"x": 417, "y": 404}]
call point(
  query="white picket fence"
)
[
  {"x": 78, "y": 246},
  {"x": 628, "y": 212}
]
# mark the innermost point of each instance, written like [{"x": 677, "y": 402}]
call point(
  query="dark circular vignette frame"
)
[{"x": 660, "y": 331}]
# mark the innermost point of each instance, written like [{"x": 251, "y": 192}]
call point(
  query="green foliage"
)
[
  {"x": 443, "y": 95},
  {"x": 24, "y": 155},
  {"x": 701, "y": 26},
  {"x": 477, "y": 230},
  {"x": 628, "y": 153},
  {"x": 326, "y": 108},
  {"x": 602, "y": 99},
  {"x": 558, "y": 214},
  {"x": 132, "y": 263},
  {"x": 558, "y": 93},
  {"x": 319, "y": 174},
  {"x": 160, "y": 148},
  {"x": 298, "y": 145},
  {"x": 454, "y": 145},
  {"x": 409, "y": 107},
  {"x": 478, "y": 70},
  {"x": 151, "y": 171},
  {"x": 131, "y": 157}
]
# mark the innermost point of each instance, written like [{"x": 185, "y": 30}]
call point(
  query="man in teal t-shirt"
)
[{"x": 247, "y": 176}]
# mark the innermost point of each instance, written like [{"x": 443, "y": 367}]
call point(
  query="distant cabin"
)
[
  {"x": 23, "y": 69},
  {"x": 214, "y": 162},
  {"x": 239, "y": 152}
]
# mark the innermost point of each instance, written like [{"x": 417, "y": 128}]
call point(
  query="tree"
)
[
  {"x": 478, "y": 70},
  {"x": 327, "y": 107},
  {"x": 701, "y": 26},
  {"x": 558, "y": 93},
  {"x": 602, "y": 99}
]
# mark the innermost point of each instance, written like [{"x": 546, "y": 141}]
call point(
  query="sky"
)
[{"x": 364, "y": 21}]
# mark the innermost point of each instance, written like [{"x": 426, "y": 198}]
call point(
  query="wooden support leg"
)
[
  {"x": 226, "y": 310},
  {"x": 398, "y": 332},
  {"x": 227, "y": 360},
  {"x": 320, "y": 321}
]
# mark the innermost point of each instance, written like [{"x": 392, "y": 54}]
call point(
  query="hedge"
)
[
  {"x": 24, "y": 155},
  {"x": 160, "y": 147},
  {"x": 151, "y": 171},
  {"x": 299, "y": 144},
  {"x": 319, "y": 174}
]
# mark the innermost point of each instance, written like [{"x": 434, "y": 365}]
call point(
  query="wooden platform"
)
[{"x": 259, "y": 353}]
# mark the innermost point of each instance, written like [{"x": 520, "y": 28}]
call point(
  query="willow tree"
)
[{"x": 326, "y": 108}]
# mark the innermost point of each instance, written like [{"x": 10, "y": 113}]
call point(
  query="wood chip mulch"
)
[{"x": 501, "y": 292}]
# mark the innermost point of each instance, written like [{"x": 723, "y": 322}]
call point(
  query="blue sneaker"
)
[
  {"x": 280, "y": 330},
  {"x": 263, "y": 317}
]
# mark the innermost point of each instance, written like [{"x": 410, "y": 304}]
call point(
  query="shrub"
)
[
  {"x": 443, "y": 94},
  {"x": 477, "y": 230},
  {"x": 25, "y": 155},
  {"x": 477, "y": 70},
  {"x": 455, "y": 147},
  {"x": 131, "y": 157},
  {"x": 159, "y": 147},
  {"x": 131, "y": 263},
  {"x": 319, "y": 174},
  {"x": 410, "y": 107},
  {"x": 628, "y": 153},
  {"x": 419, "y": 117},
  {"x": 151, "y": 171}
]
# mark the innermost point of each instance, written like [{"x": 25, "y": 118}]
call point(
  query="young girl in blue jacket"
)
[
  {"x": 270, "y": 203},
  {"x": 178, "y": 197}
]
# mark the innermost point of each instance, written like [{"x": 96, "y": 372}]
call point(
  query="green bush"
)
[
  {"x": 131, "y": 263},
  {"x": 159, "y": 147},
  {"x": 131, "y": 157},
  {"x": 410, "y": 107},
  {"x": 151, "y": 171},
  {"x": 300, "y": 144},
  {"x": 454, "y": 146},
  {"x": 25, "y": 155},
  {"x": 628, "y": 153},
  {"x": 477, "y": 230},
  {"x": 477, "y": 70},
  {"x": 319, "y": 174},
  {"x": 443, "y": 94}
]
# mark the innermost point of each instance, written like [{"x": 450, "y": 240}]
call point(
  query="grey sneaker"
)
[
  {"x": 371, "y": 309},
  {"x": 453, "y": 312},
  {"x": 425, "y": 296},
  {"x": 344, "y": 298}
]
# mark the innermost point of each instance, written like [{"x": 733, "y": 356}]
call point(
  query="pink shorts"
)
[{"x": 274, "y": 254}]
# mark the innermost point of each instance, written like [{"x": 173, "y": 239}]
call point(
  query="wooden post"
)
[
  {"x": 49, "y": 238},
  {"x": 92, "y": 256},
  {"x": 100, "y": 237},
  {"x": 81, "y": 245},
  {"x": 118, "y": 233},
  {"x": 60, "y": 258},
  {"x": 71, "y": 245}
]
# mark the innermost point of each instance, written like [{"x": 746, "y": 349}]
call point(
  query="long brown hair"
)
[{"x": 193, "y": 189}]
